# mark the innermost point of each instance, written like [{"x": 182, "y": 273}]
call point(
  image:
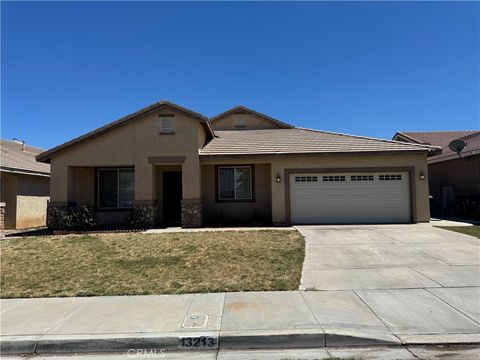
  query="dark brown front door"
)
[{"x": 172, "y": 195}]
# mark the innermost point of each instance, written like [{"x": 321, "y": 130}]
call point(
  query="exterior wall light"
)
[
  {"x": 278, "y": 178},
  {"x": 422, "y": 175}
]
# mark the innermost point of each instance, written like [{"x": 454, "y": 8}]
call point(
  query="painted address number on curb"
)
[{"x": 198, "y": 342}]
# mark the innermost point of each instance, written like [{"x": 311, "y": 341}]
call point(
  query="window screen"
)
[
  {"x": 235, "y": 183},
  {"x": 116, "y": 188}
]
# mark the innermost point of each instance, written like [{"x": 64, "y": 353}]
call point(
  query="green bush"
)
[
  {"x": 81, "y": 218},
  {"x": 134, "y": 219}
]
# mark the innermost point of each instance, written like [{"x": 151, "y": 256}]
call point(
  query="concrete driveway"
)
[
  {"x": 386, "y": 285},
  {"x": 378, "y": 257}
]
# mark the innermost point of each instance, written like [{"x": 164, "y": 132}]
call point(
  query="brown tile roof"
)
[
  {"x": 288, "y": 140},
  {"x": 442, "y": 139},
  {"x": 299, "y": 141},
  {"x": 244, "y": 109},
  {"x": 14, "y": 159},
  {"x": 45, "y": 156}
]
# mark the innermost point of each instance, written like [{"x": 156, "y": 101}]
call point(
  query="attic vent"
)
[
  {"x": 167, "y": 124},
  {"x": 240, "y": 121}
]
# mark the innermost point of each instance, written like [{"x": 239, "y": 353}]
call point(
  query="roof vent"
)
[
  {"x": 22, "y": 142},
  {"x": 240, "y": 121}
]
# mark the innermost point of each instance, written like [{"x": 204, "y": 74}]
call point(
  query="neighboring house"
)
[
  {"x": 168, "y": 165},
  {"x": 454, "y": 180},
  {"x": 24, "y": 186}
]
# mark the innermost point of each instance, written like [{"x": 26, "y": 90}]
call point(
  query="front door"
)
[{"x": 172, "y": 195}]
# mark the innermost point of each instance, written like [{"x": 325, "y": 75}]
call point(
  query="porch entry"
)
[{"x": 172, "y": 196}]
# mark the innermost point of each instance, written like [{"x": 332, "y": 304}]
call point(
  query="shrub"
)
[
  {"x": 81, "y": 218},
  {"x": 134, "y": 219}
]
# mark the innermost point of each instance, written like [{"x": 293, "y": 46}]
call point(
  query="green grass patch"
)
[
  {"x": 137, "y": 264},
  {"x": 468, "y": 230}
]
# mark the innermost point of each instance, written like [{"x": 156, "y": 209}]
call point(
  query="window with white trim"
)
[
  {"x": 235, "y": 183},
  {"x": 167, "y": 124},
  {"x": 116, "y": 188}
]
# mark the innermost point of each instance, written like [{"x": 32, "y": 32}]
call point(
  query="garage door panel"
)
[{"x": 350, "y": 198}]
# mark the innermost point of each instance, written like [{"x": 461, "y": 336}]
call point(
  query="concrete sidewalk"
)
[{"x": 262, "y": 320}]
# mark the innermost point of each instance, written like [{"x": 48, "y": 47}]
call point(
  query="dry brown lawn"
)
[{"x": 133, "y": 263}]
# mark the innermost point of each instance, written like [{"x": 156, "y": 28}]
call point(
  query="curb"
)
[
  {"x": 105, "y": 343},
  {"x": 116, "y": 343}
]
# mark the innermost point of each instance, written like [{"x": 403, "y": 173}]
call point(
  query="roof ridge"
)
[
  {"x": 470, "y": 135},
  {"x": 437, "y": 131},
  {"x": 45, "y": 156},
  {"x": 408, "y": 137},
  {"x": 27, "y": 145},
  {"x": 257, "y": 113},
  {"x": 182, "y": 108},
  {"x": 369, "y": 138}
]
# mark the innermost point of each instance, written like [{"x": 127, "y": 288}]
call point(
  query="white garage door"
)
[{"x": 350, "y": 198}]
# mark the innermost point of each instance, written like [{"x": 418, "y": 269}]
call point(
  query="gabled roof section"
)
[
  {"x": 436, "y": 138},
  {"x": 302, "y": 141},
  {"x": 243, "y": 109},
  {"x": 20, "y": 158},
  {"x": 45, "y": 156},
  {"x": 442, "y": 139}
]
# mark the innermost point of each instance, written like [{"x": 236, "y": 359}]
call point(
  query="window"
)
[
  {"x": 361, "y": 178},
  {"x": 306, "y": 179},
  {"x": 167, "y": 124},
  {"x": 235, "y": 183},
  {"x": 390, "y": 177},
  {"x": 333, "y": 178},
  {"x": 116, "y": 188}
]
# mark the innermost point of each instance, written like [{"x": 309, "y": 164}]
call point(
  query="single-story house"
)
[
  {"x": 24, "y": 186},
  {"x": 169, "y": 164},
  {"x": 454, "y": 178}
]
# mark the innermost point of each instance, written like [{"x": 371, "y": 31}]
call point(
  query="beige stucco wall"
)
[
  {"x": 26, "y": 198},
  {"x": 9, "y": 197},
  {"x": 463, "y": 175},
  {"x": 32, "y": 198},
  {"x": 251, "y": 121},
  {"x": 280, "y": 164},
  {"x": 31, "y": 211},
  {"x": 72, "y": 170},
  {"x": 130, "y": 145},
  {"x": 83, "y": 185},
  {"x": 255, "y": 211}
]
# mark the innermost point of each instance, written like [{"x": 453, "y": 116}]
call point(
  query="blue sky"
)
[{"x": 360, "y": 68}]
